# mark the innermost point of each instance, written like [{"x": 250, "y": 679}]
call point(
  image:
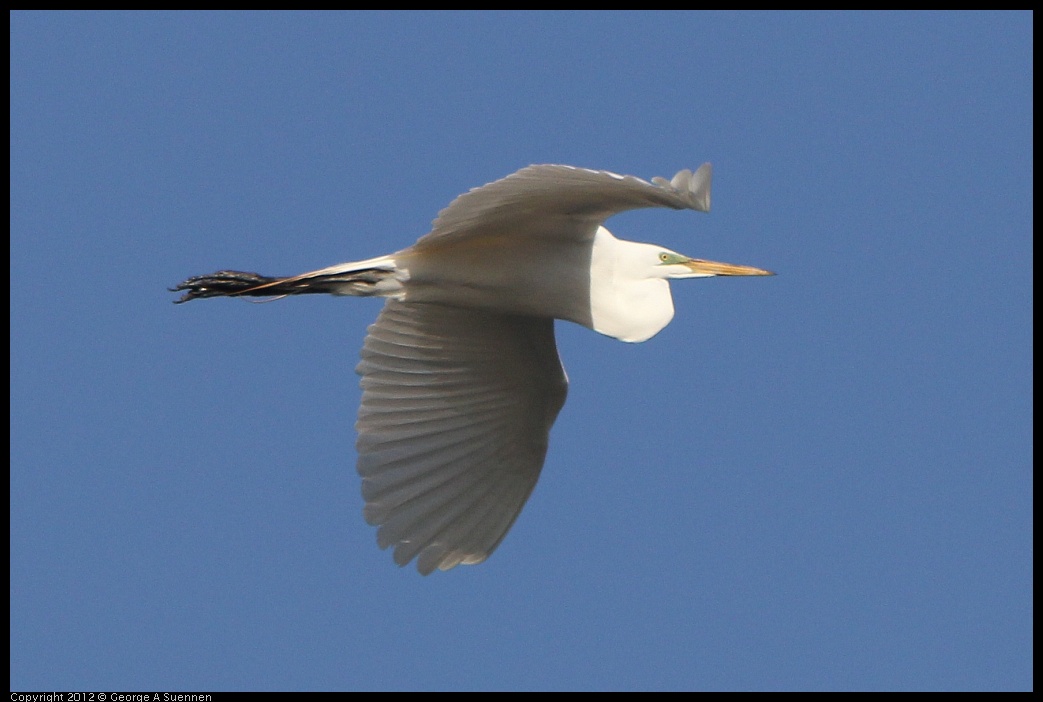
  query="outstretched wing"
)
[
  {"x": 562, "y": 201},
  {"x": 457, "y": 406}
]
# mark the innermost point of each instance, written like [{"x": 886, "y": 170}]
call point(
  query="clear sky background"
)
[{"x": 820, "y": 480}]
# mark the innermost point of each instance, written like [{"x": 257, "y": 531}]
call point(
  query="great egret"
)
[{"x": 461, "y": 379}]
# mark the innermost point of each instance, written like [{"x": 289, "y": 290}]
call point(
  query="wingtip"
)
[
  {"x": 699, "y": 186},
  {"x": 695, "y": 186}
]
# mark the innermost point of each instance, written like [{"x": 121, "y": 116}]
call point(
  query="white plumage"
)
[{"x": 461, "y": 380}]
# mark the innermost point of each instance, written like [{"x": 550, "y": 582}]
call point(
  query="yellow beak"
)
[{"x": 714, "y": 268}]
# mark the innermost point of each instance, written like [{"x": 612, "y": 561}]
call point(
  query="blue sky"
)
[{"x": 817, "y": 481}]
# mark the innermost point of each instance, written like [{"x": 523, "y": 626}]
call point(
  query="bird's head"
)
[{"x": 670, "y": 264}]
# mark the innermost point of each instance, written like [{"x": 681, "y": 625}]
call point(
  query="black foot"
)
[{"x": 223, "y": 284}]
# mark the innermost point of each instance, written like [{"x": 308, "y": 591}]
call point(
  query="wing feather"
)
[
  {"x": 457, "y": 406},
  {"x": 558, "y": 200}
]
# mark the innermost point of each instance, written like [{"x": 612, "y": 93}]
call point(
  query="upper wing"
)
[
  {"x": 563, "y": 201},
  {"x": 457, "y": 405}
]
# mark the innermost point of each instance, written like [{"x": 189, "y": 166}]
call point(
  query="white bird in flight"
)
[{"x": 461, "y": 379}]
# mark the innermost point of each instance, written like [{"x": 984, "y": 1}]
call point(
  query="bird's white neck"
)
[{"x": 625, "y": 303}]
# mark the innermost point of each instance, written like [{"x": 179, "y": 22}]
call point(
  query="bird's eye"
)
[{"x": 664, "y": 257}]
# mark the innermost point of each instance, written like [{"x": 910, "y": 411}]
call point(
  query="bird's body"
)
[{"x": 460, "y": 374}]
